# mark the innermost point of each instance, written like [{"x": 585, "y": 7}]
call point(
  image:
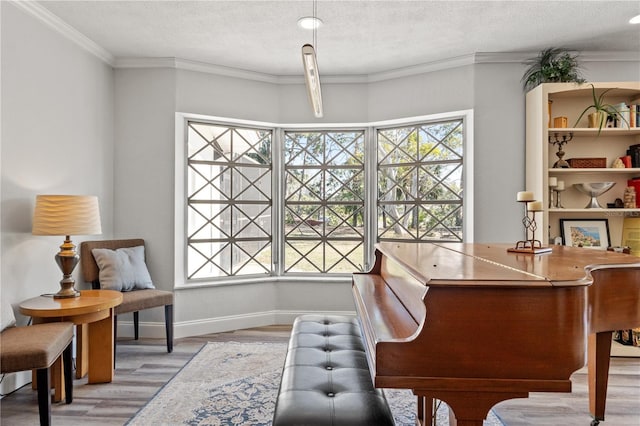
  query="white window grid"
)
[{"x": 267, "y": 257}]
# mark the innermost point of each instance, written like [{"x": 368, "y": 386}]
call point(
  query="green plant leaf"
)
[{"x": 552, "y": 65}]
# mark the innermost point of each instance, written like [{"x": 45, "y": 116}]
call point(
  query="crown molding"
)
[
  {"x": 613, "y": 56},
  {"x": 502, "y": 57},
  {"x": 586, "y": 56},
  {"x": 57, "y": 24},
  {"x": 39, "y": 12},
  {"x": 444, "y": 64},
  {"x": 188, "y": 65},
  {"x": 439, "y": 65}
]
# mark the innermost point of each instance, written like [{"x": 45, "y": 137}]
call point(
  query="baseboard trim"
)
[
  {"x": 218, "y": 324},
  {"x": 620, "y": 350},
  {"x": 13, "y": 381}
]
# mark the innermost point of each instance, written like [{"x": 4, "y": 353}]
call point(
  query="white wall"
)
[
  {"x": 222, "y": 96},
  {"x": 612, "y": 71},
  {"x": 144, "y": 167},
  {"x": 57, "y": 138},
  {"x": 429, "y": 93},
  {"x": 499, "y": 146},
  {"x": 342, "y": 103}
]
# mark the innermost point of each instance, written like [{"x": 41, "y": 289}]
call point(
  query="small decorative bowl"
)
[{"x": 594, "y": 189}]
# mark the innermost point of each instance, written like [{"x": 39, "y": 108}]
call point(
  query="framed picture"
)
[{"x": 587, "y": 233}]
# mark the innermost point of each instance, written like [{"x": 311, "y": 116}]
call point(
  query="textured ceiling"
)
[{"x": 358, "y": 37}]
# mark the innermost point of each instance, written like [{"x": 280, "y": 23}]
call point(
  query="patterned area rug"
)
[{"x": 236, "y": 384}]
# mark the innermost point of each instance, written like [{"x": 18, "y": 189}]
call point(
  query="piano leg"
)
[
  {"x": 426, "y": 413},
  {"x": 598, "y": 356},
  {"x": 466, "y": 408}
]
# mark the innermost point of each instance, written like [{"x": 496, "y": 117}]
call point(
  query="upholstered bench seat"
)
[
  {"x": 37, "y": 347},
  {"x": 325, "y": 379},
  {"x": 29, "y": 348}
]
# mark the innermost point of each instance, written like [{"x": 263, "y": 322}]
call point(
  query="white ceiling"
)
[{"x": 357, "y": 38}]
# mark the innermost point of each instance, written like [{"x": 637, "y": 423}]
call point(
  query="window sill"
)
[{"x": 301, "y": 279}]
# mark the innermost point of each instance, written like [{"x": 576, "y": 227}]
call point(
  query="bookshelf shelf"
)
[
  {"x": 585, "y": 131},
  {"x": 605, "y": 212},
  {"x": 590, "y": 171}
]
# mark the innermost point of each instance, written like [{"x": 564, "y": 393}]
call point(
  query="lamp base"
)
[
  {"x": 67, "y": 259},
  {"x": 66, "y": 292}
]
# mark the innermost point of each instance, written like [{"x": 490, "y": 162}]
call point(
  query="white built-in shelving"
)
[{"x": 569, "y": 100}]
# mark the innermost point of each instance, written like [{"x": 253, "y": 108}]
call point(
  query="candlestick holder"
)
[
  {"x": 552, "y": 190},
  {"x": 561, "y": 140},
  {"x": 558, "y": 198},
  {"x": 529, "y": 245}
]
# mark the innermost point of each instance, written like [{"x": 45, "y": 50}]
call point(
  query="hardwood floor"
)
[
  {"x": 144, "y": 366},
  {"x": 572, "y": 409}
]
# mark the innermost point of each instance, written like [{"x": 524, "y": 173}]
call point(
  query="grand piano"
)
[{"x": 473, "y": 324}]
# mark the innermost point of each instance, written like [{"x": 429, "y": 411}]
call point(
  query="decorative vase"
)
[
  {"x": 594, "y": 189},
  {"x": 597, "y": 119}
]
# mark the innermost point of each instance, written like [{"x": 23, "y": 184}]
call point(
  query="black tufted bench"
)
[{"x": 326, "y": 380}]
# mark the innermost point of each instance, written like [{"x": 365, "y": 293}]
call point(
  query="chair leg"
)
[
  {"x": 136, "y": 322},
  {"x": 44, "y": 395},
  {"x": 68, "y": 373},
  {"x": 168, "y": 325}
]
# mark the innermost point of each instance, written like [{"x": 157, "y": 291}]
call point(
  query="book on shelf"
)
[
  {"x": 634, "y": 153},
  {"x": 623, "y": 121},
  {"x": 634, "y": 107},
  {"x": 631, "y": 234}
]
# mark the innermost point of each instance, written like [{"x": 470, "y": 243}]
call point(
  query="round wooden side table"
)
[{"x": 93, "y": 313}]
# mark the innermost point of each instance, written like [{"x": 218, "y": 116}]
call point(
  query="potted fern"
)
[
  {"x": 553, "y": 65},
  {"x": 601, "y": 111}
]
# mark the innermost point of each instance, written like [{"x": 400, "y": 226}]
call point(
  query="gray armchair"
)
[{"x": 134, "y": 300}]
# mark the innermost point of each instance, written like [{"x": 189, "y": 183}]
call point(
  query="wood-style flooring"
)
[
  {"x": 572, "y": 409},
  {"x": 144, "y": 366}
]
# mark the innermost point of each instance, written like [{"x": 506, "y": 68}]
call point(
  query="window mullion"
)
[
  {"x": 277, "y": 153},
  {"x": 370, "y": 196}
]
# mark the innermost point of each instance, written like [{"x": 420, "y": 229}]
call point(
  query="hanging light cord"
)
[{"x": 315, "y": 25}]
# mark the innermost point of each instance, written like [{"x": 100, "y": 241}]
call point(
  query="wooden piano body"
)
[{"x": 473, "y": 325}]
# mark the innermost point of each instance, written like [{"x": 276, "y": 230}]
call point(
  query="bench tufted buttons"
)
[{"x": 338, "y": 338}]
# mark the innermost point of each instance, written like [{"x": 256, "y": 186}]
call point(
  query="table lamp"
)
[{"x": 66, "y": 215}]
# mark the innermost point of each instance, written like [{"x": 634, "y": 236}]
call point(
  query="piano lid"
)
[{"x": 461, "y": 264}]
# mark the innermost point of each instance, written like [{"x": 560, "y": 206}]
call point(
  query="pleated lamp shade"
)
[{"x": 66, "y": 215}]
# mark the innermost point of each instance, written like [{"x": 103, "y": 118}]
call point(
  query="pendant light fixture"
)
[{"x": 310, "y": 65}]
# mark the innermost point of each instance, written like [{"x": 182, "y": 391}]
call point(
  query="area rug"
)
[{"x": 232, "y": 383}]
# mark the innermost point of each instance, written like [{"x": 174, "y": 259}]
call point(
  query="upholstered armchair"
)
[{"x": 120, "y": 265}]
